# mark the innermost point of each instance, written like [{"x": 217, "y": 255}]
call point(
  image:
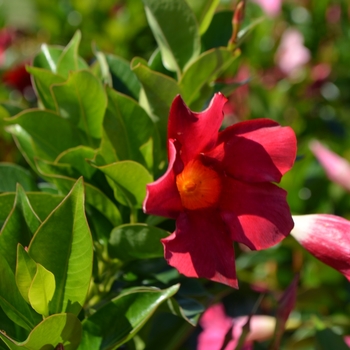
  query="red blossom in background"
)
[
  {"x": 217, "y": 325},
  {"x": 218, "y": 188},
  {"x": 17, "y": 77},
  {"x": 326, "y": 237}
]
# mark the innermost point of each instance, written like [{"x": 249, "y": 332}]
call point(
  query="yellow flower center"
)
[{"x": 198, "y": 185}]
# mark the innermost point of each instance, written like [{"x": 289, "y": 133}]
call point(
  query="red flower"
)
[{"x": 218, "y": 189}]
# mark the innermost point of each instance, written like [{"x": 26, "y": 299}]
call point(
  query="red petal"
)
[
  {"x": 162, "y": 197},
  {"x": 201, "y": 247},
  {"x": 196, "y": 132},
  {"x": 257, "y": 214},
  {"x": 256, "y": 150},
  {"x": 327, "y": 238}
]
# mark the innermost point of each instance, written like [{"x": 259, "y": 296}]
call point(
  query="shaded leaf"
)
[
  {"x": 326, "y": 339},
  {"x": 120, "y": 319},
  {"x": 11, "y": 174},
  {"x": 136, "y": 241},
  {"x": 63, "y": 246},
  {"x": 204, "y": 11}
]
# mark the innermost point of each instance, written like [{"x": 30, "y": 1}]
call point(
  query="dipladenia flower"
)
[
  {"x": 218, "y": 188},
  {"x": 327, "y": 237}
]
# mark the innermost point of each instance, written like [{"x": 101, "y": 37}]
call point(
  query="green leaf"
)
[
  {"x": 25, "y": 271},
  {"x": 48, "y": 57},
  {"x": 106, "y": 154},
  {"x": 19, "y": 227},
  {"x": 136, "y": 241},
  {"x": 203, "y": 71},
  {"x": 175, "y": 29},
  {"x": 100, "y": 68},
  {"x": 127, "y": 125},
  {"x": 49, "y": 133},
  {"x": 123, "y": 78},
  {"x": 11, "y": 174},
  {"x": 77, "y": 157},
  {"x": 129, "y": 180},
  {"x": 120, "y": 319},
  {"x": 42, "y": 290},
  {"x": 82, "y": 100},
  {"x": 11, "y": 300},
  {"x": 42, "y": 204},
  {"x": 62, "y": 328},
  {"x": 69, "y": 59},
  {"x": 326, "y": 339},
  {"x": 157, "y": 95},
  {"x": 94, "y": 196},
  {"x": 43, "y": 80},
  {"x": 63, "y": 246},
  {"x": 204, "y": 11}
]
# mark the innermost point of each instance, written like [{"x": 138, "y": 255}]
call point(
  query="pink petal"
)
[
  {"x": 215, "y": 326},
  {"x": 196, "y": 132},
  {"x": 257, "y": 150},
  {"x": 336, "y": 167},
  {"x": 256, "y": 214},
  {"x": 270, "y": 7},
  {"x": 162, "y": 197},
  {"x": 201, "y": 247},
  {"x": 327, "y": 238}
]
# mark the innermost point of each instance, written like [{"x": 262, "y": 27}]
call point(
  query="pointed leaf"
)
[
  {"x": 82, "y": 100},
  {"x": 19, "y": 227},
  {"x": 42, "y": 290},
  {"x": 43, "y": 80},
  {"x": 138, "y": 241},
  {"x": 127, "y": 125},
  {"x": 11, "y": 300},
  {"x": 120, "y": 319},
  {"x": 69, "y": 59},
  {"x": 175, "y": 29},
  {"x": 106, "y": 154},
  {"x": 25, "y": 271},
  {"x": 48, "y": 57},
  {"x": 11, "y": 174},
  {"x": 57, "y": 329},
  {"x": 129, "y": 179},
  {"x": 204, "y": 11},
  {"x": 63, "y": 246}
]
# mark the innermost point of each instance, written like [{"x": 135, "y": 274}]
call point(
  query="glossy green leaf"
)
[
  {"x": 50, "y": 133},
  {"x": 94, "y": 196},
  {"x": 127, "y": 125},
  {"x": 48, "y": 57},
  {"x": 175, "y": 29},
  {"x": 326, "y": 339},
  {"x": 11, "y": 174},
  {"x": 63, "y": 246},
  {"x": 204, "y": 11},
  {"x": 100, "y": 68},
  {"x": 63, "y": 328},
  {"x": 120, "y": 319},
  {"x": 136, "y": 241},
  {"x": 11, "y": 300},
  {"x": 43, "y": 80},
  {"x": 42, "y": 290},
  {"x": 106, "y": 154},
  {"x": 26, "y": 269},
  {"x": 203, "y": 71},
  {"x": 69, "y": 59},
  {"x": 123, "y": 78},
  {"x": 82, "y": 100},
  {"x": 77, "y": 157},
  {"x": 19, "y": 227},
  {"x": 129, "y": 179},
  {"x": 157, "y": 95}
]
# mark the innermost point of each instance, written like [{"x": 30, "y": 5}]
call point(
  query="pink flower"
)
[
  {"x": 336, "y": 167},
  {"x": 218, "y": 188},
  {"x": 292, "y": 54},
  {"x": 327, "y": 238},
  {"x": 216, "y": 324},
  {"x": 271, "y": 7}
]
